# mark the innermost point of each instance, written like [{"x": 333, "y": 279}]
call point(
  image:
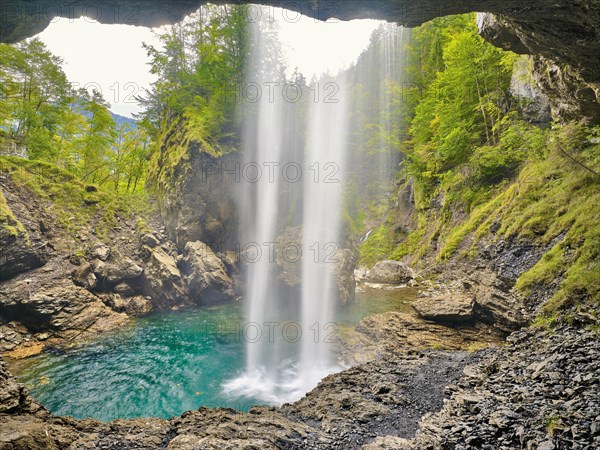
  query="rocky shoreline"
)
[{"x": 540, "y": 391}]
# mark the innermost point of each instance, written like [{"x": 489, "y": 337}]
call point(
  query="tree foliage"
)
[{"x": 42, "y": 115}]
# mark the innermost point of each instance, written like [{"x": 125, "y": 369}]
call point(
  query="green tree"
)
[
  {"x": 34, "y": 92},
  {"x": 97, "y": 139}
]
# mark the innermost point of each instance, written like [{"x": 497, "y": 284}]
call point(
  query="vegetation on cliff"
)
[
  {"x": 73, "y": 205},
  {"x": 482, "y": 173}
]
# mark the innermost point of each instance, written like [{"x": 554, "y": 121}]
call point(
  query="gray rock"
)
[
  {"x": 121, "y": 270},
  {"x": 149, "y": 240},
  {"x": 85, "y": 277},
  {"x": 137, "y": 306},
  {"x": 101, "y": 252},
  {"x": 162, "y": 280},
  {"x": 205, "y": 275},
  {"x": 391, "y": 272},
  {"x": 450, "y": 309}
]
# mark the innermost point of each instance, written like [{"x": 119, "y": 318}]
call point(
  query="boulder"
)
[
  {"x": 137, "y": 306},
  {"x": 101, "y": 252},
  {"x": 391, "y": 272},
  {"x": 162, "y": 280},
  {"x": 205, "y": 275},
  {"x": 124, "y": 269},
  {"x": 451, "y": 309},
  {"x": 85, "y": 277},
  {"x": 149, "y": 240}
]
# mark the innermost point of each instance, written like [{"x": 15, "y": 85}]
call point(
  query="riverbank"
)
[{"x": 538, "y": 391}]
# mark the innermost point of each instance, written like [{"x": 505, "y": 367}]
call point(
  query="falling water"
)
[
  {"x": 326, "y": 149},
  {"x": 278, "y": 370},
  {"x": 259, "y": 193}
]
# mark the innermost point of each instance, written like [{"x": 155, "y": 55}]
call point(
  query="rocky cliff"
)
[{"x": 77, "y": 261}]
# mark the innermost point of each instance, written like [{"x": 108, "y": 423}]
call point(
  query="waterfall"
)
[
  {"x": 277, "y": 369},
  {"x": 326, "y": 149}
]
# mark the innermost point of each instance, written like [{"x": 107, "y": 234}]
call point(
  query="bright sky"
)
[{"x": 111, "y": 58}]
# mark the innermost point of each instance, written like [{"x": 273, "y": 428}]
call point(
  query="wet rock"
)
[
  {"x": 137, "y": 306},
  {"x": 339, "y": 260},
  {"x": 205, "y": 275},
  {"x": 14, "y": 398},
  {"x": 453, "y": 309},
  {"x": 534, "y": 105},
  {"x": 391, "y": 272}
]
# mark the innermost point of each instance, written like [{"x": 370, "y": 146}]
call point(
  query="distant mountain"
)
[{"x": 120, "y": 120}]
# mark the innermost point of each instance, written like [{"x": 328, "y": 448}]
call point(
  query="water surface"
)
[{"x": 164, "y": 364}]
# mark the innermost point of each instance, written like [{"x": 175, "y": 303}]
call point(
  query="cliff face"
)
[{"x": 77, "y": 261}]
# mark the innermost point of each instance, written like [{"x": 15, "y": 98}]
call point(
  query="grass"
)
[
  {"x": 377, "y": 247},
  {"x": 73, "y": 204},
  {"x": 551, "y": 201},
  {"x": 551, "y": 423},
  {"x": 8, "y": 221}
]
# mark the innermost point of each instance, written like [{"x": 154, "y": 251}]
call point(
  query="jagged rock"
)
[
  {"x": 124, "y": 269},
  {"x": 540, "y": 391},
  {"x": 205, "y": 275},
  {"x": 85, "y": 277},
  {"x": 162, "y": 280},
  {"x": 114, "y": 302},
  {"x": 13, "y": 396},
  {"x": 101, "y": 252},
  {"x": 10, "y": 391},
  {"x": 453, "y": 309},
  {"x": 149, "y": 240},
  {"x": 391, "y": 272},
  {"x": 16, "y": 253},
  {"x": 137, "y": 306},
  {"x": 199, "y": 203}
]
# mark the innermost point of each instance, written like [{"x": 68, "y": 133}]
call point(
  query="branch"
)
[{"x": 577, "y": 162}]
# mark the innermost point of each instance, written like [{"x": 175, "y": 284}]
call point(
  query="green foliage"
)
[
  {"x": 198, "y": 70},
  {"x": 481, "y": 172},
  {"x": 41, "y": 114},
  {"x": 8, "y": 221},
  {"x": 192, "y": 104},
  {"x": 74, "y": 204},
  {"x": 460, "y": 105},
  {"x": 34, "y": 90},
  {"x": 377, "y": 246}
]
